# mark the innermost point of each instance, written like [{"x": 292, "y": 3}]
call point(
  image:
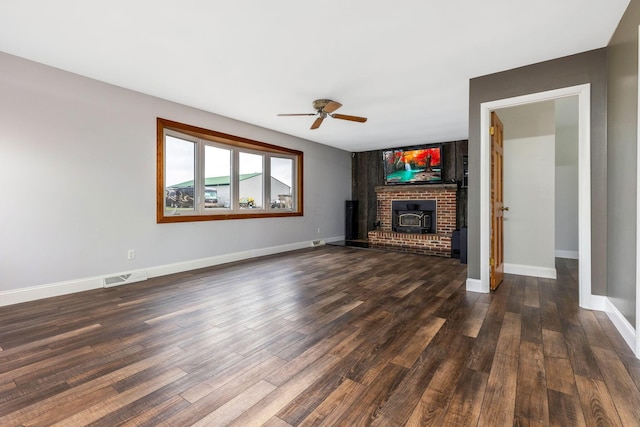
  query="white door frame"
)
[{"x": 584, "y": 182}]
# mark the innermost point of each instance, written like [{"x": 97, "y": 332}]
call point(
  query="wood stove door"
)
[{"x": 497, "y": 203}]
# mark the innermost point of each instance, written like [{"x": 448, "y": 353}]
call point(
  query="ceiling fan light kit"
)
[{"x": 324, "y": 108}]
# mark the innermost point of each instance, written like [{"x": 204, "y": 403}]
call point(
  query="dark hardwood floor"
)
[{"x": 322, "y": 336}]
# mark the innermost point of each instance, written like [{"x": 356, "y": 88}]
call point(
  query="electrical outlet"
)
[
  {"x": 131, "y": 254},
  {"x": 318, "y": 230}
]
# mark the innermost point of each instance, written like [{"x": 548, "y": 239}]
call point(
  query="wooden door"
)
[{"x": 496, "y": 261}]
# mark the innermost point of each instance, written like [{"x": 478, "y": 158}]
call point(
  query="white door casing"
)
[{"x": 584, "y": 187}]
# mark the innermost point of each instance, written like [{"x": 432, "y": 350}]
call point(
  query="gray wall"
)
[
  {"x": 78, "y": 169},
  {"x": 567, "y": 183},
  {"x": 588, "y": 67},
  {"x": 622, "y": 139}
]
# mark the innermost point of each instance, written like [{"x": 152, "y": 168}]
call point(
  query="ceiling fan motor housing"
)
[{"x": 319, "y": 104}]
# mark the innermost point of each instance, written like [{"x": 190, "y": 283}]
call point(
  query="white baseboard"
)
[
  {"x": 623, "y": 326},
  {"x": 16, "y": 296},
  {"x": 475, "y": 285},
  {"x": 561, "y": 253},
  {"x": 334, "y": 239},
  {"x": 530, "y": 270},
  {"x": 598, "y": 303},
  {"x": 179, "y": 267}
]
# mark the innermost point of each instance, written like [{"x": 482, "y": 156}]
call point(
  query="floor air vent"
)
[{"x": 124, "y": 278}]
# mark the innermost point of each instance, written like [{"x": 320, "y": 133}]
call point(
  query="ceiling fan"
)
[{"x": 324, "y": 108}]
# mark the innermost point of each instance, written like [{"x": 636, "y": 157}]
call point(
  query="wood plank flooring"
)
[{"x": 326, "y": 336}]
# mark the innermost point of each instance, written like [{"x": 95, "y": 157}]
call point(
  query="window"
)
[{"x": 207, "y": 175}]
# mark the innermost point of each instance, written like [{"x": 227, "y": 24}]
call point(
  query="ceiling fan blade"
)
[
  {"x": 351, "y": 118},
  {"x": 299, "y": 114},
  {"x": 317, "y": 123},
  {"x": 331, "y": 107}
]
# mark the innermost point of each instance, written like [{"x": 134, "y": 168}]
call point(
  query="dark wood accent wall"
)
[{"x": 368, "y": 173}]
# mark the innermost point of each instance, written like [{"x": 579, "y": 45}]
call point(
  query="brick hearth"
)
[{"x": 438, "y": 243}]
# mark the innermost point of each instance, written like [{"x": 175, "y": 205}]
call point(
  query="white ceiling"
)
[{"x": 404, "y": 65}]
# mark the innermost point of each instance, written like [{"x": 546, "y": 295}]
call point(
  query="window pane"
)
[
  {"x": 217, "y": 177},
  {"x": 179, "y": 174},
  {"x": 251, "y": 181},
  {"x": 281, "y": 183}
]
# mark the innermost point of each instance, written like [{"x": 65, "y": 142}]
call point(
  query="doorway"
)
[
  {"x": 540, "y": 186},
  {"x": 584, "y": 182}
]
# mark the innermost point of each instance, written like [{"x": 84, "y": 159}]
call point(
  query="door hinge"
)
[
  {"x": 492, "y": 262},
  {"x": 492, "y": 131}
]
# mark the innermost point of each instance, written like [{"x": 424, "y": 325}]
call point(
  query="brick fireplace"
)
[{"x": 438, "y": 243}]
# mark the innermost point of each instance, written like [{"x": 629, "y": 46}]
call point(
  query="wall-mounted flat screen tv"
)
[{"x": 413, "y": 165}]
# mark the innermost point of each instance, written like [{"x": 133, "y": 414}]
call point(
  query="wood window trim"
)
[{"x": 231, "y": 140}]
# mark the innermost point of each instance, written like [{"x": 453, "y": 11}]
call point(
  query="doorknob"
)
[{"x": 504, "y": 209}]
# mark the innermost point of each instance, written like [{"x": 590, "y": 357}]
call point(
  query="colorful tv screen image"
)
[{"x": 422, "y": 165}]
